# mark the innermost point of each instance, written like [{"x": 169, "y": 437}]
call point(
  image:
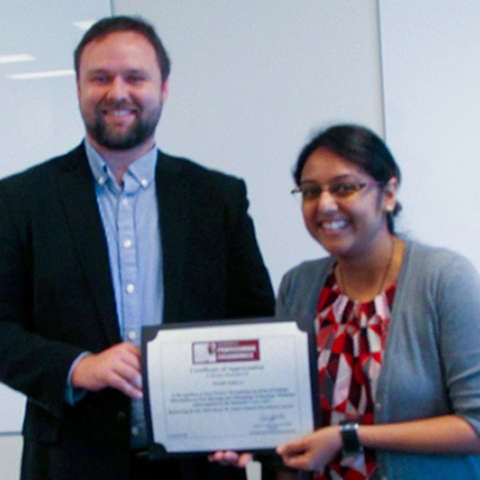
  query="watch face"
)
[{"x": 351, "y": 442}]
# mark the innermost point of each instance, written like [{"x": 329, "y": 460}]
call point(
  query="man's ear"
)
[{"x": 164, "y": 92}]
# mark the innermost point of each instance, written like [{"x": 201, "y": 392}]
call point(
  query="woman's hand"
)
[
  {"x": 314, "y": 451},
  {"x": 231, "y": 458}
]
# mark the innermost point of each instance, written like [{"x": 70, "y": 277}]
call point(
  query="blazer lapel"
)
[
  {"x": 77, "y": 193},
  {"x": 174, "y": 206}
]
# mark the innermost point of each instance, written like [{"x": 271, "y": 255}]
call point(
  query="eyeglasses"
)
[{"x": 342, "y": 190}]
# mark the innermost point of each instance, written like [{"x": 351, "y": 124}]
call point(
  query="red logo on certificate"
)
[{"x": 226, "y": 351}]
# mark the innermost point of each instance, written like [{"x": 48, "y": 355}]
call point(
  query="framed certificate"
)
[{"x": 244, "y": 385}]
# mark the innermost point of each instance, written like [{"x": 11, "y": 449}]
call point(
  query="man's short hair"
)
[{"x": 109, "y": 25}]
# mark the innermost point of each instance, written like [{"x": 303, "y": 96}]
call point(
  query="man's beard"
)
[{"x": 140, "y": 131}]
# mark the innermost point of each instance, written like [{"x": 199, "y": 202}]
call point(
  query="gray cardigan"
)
[{"x": 431, "y": 364}]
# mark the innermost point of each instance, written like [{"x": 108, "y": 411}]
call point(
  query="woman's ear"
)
[{"x": 390, "y": 195}]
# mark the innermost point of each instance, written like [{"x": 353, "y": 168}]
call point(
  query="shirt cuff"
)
[{"x": 73, "y": 395}]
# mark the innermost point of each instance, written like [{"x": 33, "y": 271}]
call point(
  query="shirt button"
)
[
  {"x": 144, "y": 182},
  {"x": 127, "y": 243},
  {"x": 135, "y": 431},
  {"x": 101, "y": 180},
  {"x": 125, "y": 201},
  {"x": 130, "y": 288},
  {"x": 132, "y": 335}
]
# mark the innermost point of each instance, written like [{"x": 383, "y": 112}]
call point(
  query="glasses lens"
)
[
  {"x": 345, "y": 189},
  {"x": 310, "y": 192}
]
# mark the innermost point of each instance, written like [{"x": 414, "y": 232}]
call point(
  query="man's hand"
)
[
  {"x": 231, "y": 458},
  {"x": 117, "y": 367}
]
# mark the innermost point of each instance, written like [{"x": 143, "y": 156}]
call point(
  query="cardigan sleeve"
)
[
  {"x": 458, "y": 301},
  {"x": 431, "y": 365}
]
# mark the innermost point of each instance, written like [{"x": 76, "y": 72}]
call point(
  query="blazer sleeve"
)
[
  {"x": 29, "y": 361},
  {"x": 249, "y": 291}
]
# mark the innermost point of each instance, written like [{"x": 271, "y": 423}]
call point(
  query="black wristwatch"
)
[{"x": 351, "y": 442}]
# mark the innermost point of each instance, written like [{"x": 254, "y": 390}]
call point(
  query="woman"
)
[{"x": 398, "y": 326}]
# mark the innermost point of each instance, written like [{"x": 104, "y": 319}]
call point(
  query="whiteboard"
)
[
  {"x": 40, "y": 117},
  {"x": 431, "y": 77}
]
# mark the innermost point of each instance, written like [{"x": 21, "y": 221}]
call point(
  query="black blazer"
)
[{"x": 56, "y": 296}]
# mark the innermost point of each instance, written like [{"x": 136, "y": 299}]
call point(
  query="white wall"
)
[
  {"x": 39, "y": 118},
  {"x": 10, "y": 451},
  {"x": 431, "y": 68},
  {"x": 250, "y": 81}
]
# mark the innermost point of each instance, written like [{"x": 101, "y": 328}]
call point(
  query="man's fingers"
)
[
  {"x": 118, "y": 367},
  {"x": 123, "y": 368},
  {"x": 244, "y": 459},
  {"x": 131, "y": 386},
  {"x": 231, "y": 458},
  {"x": 128, "y": 379}
]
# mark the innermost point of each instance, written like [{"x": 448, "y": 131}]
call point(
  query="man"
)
[{"x": 99, "y": 242}]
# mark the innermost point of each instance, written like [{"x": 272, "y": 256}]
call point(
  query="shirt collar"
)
[{"x": 142, "y": 170}]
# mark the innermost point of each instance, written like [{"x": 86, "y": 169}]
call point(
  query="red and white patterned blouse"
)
[{"x": 350, "y": 341}]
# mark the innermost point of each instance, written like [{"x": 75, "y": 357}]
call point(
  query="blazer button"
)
[{"x": 121, "y": 417}]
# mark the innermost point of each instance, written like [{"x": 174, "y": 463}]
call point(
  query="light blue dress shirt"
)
[{"x": 130, "y": 220}]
